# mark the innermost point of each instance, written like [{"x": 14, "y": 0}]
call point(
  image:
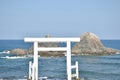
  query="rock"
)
[
  {"x": 44, "y": 44},
  {"x": 91, "y": 44},
  {"x": 19, "y": 51},
  {"x": 47, "y": 53},
  {"x": 48, "y": 36},
  {"x": 51, "y": 53}
]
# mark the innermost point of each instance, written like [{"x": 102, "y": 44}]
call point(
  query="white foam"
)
[
  {"x": 117, "y": 53},
  {"x": 7, "y": 52},
  {"x": 43, "y": 78},
  {"x": 13, "y": 57}
]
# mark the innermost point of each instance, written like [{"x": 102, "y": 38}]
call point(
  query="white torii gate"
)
[{"x": 33, "y": 67}]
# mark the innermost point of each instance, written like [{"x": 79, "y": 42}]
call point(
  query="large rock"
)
[
  {"x": 49, "y": 44},
  {"x": 19, "y": 51},
  {"x": 47, "y": 53},
  {"x": 91, "y": 44}
]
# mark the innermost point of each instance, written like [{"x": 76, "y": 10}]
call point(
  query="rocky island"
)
[{"x": 89, "y": 44}]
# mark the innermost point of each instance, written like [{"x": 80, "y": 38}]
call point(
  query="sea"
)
[{"x": 91, "y": 67}]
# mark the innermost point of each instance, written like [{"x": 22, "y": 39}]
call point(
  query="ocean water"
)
[{"x": 13, "y": 67}]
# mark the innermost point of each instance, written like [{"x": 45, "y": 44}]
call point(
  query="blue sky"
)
[{"x": 59, "y": 18}]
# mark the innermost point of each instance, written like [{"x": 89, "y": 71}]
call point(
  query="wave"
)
[
  {"x": 18, "y": 57},
  {"x": 115, "y": 56},
  {"x": 4, "y": 52},
  {"x": 117, "y": 53},
  {"x": 40, "y": 78},
  {"x": 14, "y": 57}
]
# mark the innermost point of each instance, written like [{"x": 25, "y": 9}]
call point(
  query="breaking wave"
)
[{"x": 14, "y": 57}]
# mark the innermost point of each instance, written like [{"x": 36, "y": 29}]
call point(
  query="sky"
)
[{"x": 59, "y": 18}]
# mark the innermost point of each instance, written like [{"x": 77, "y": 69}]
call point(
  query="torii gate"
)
[{"x": 33, "y": 67}]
